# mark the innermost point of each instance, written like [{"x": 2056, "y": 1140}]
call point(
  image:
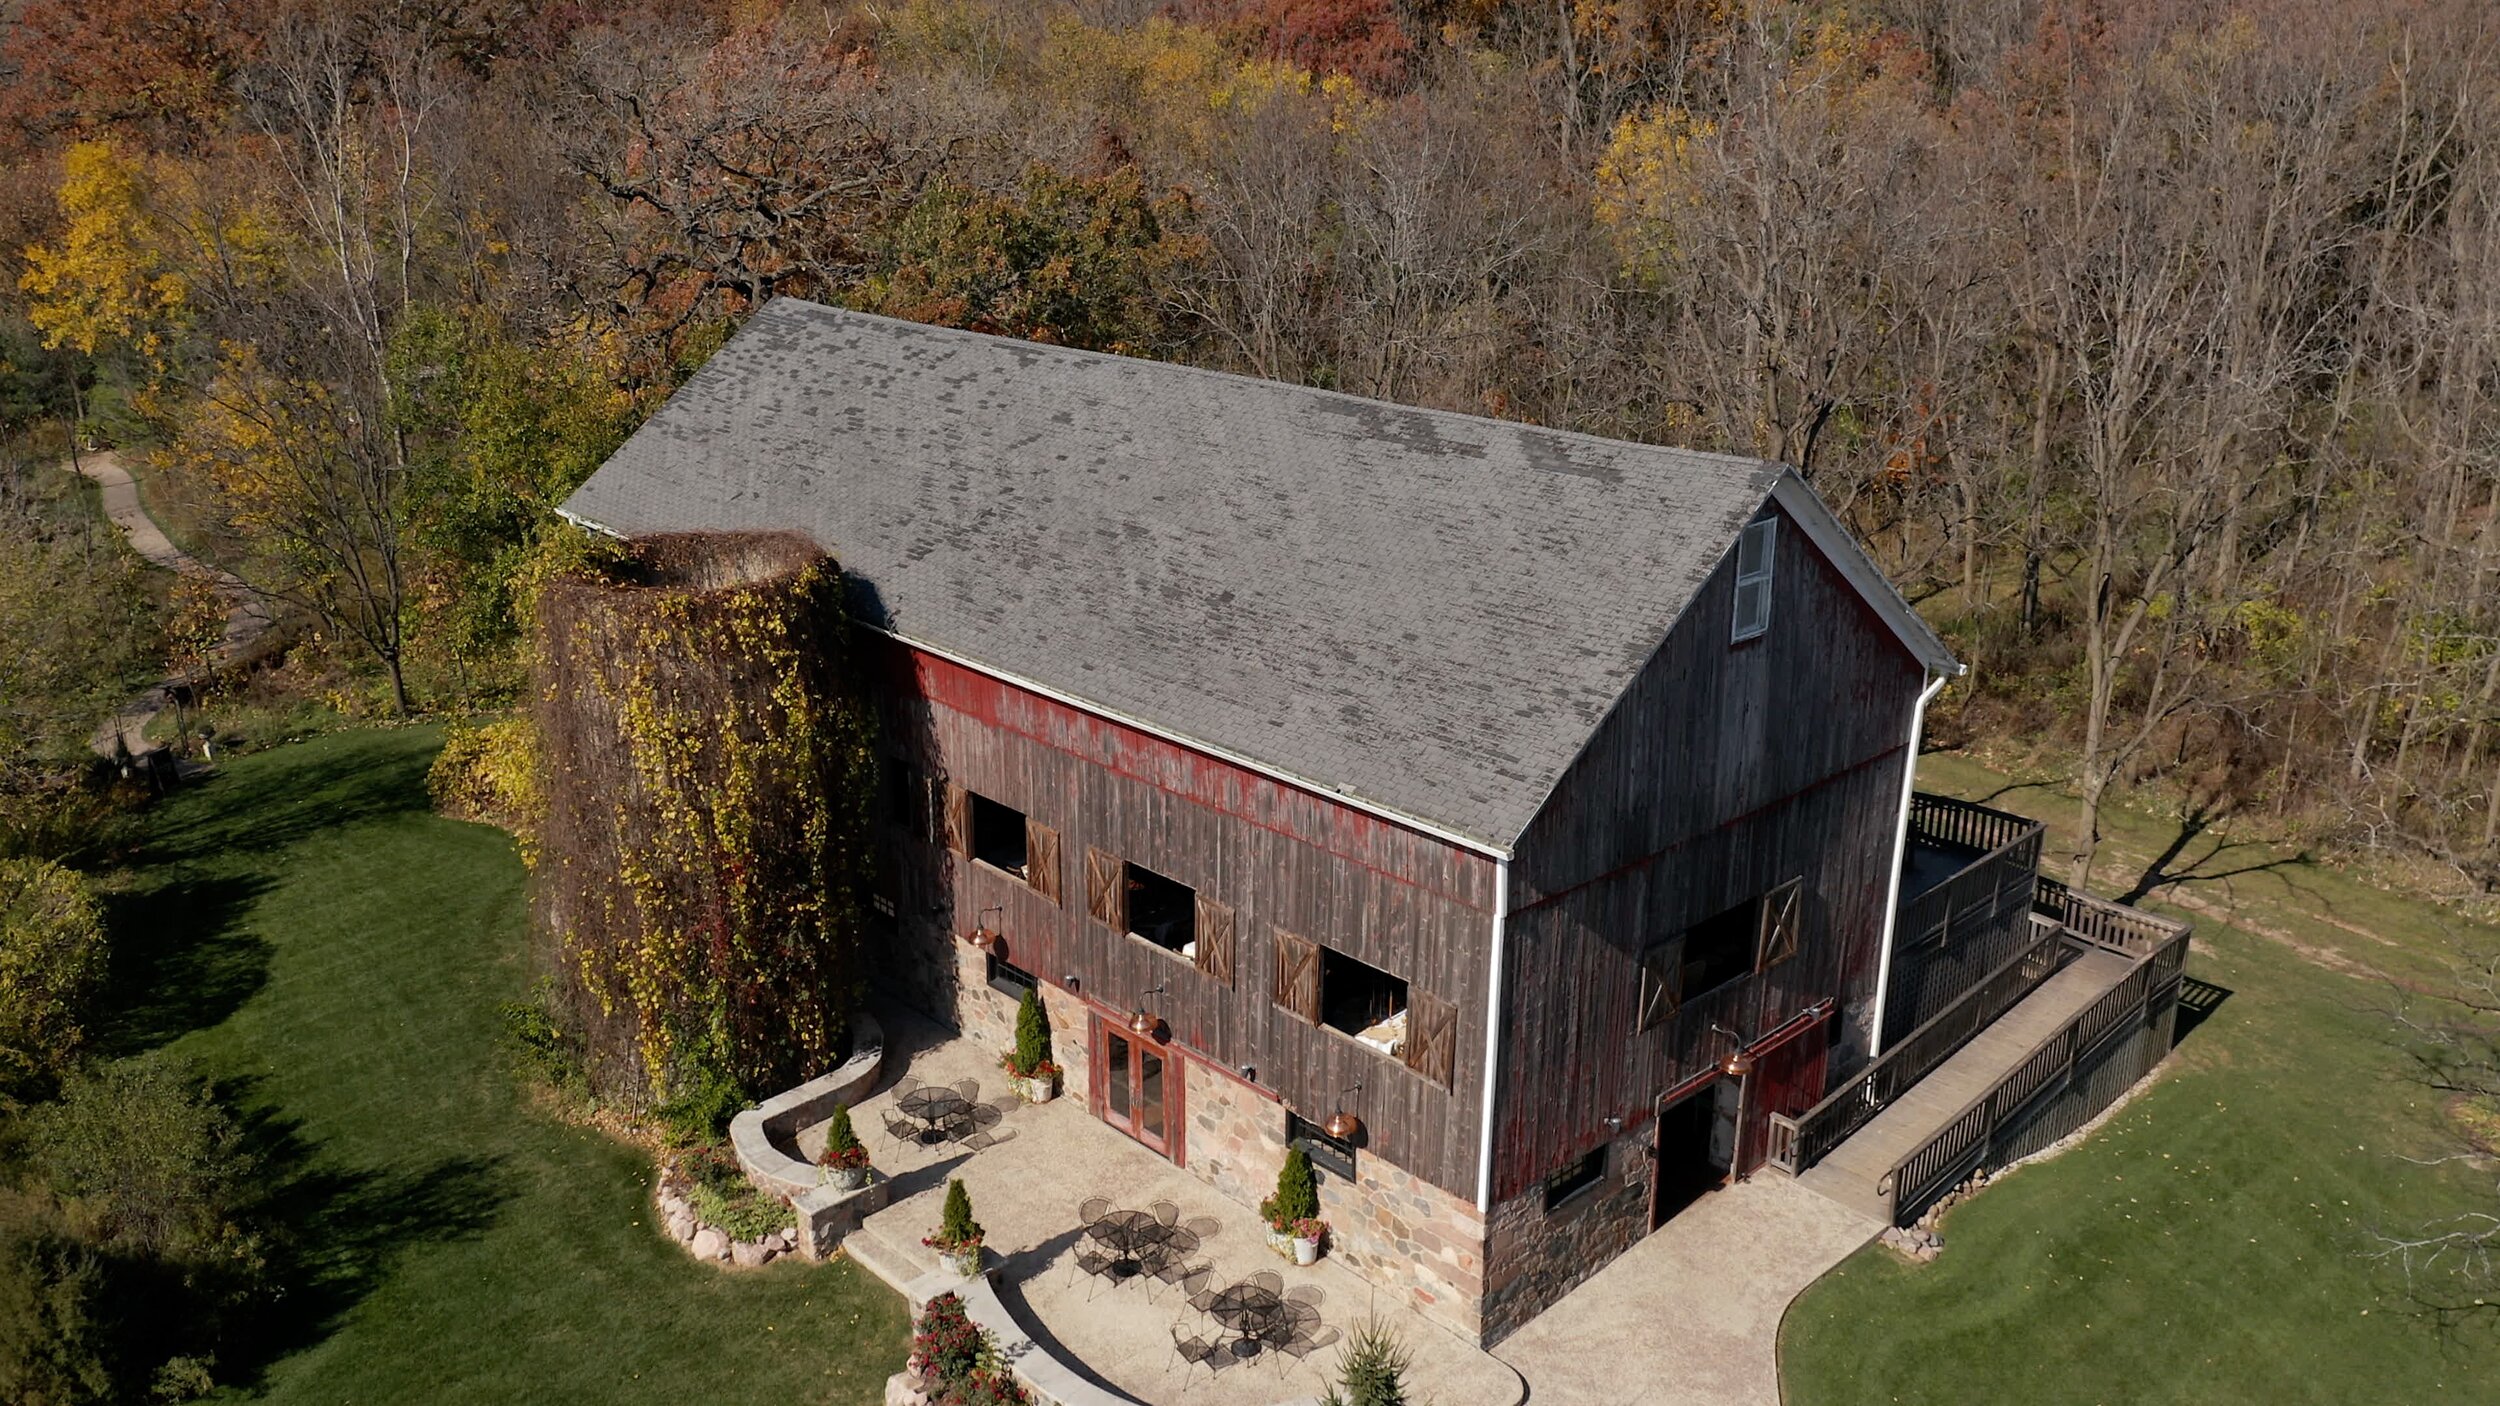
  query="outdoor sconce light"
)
[
  {"x": 1614, "y": 1123},
  {"x": 1144, "y": 1022},
  {"x": 1068, "y": 980},
  {"x": 983, "y": 937},
  {"x": 1342, "y": 1124},
  {"x": 1739, "y": 1062}
]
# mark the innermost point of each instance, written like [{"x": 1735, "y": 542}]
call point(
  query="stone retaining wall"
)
[{"x": 766, "y": 1140}]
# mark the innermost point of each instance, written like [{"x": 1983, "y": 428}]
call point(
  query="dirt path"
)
[{"x": 247, "y": 616}]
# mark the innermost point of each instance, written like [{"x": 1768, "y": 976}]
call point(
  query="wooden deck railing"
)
[
  {"x": 1800, "y": 1142},
  {"x": 2103, "y": 923},
  {"x": 1967, "y": 823},
  {"x": 1966, "y": 1140}
]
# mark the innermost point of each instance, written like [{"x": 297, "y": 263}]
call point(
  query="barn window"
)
[
  {"x": 1362, "y": 1000},
  {"x": 1334, "y": 1156},
  {"x": 1576, "y": 1180},
  {"x": 1720, "y": 949},
  {"x": 1010, "y": 980},
  {"x": 1753, "y": 578},
  {"x": 998, "y": 837},
  {"x": 1162, "y": 911}
]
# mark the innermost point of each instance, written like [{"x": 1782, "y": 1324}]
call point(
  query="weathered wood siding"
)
[
  {"x": 1723, "y": 771},
  {"x": 1278, "y": 856}
]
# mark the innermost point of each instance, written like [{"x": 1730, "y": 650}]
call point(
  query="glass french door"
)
[{"x": 1134, "y": 1086}]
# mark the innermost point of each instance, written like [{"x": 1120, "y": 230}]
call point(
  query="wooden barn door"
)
[{"x": 1788, "y": 1080}]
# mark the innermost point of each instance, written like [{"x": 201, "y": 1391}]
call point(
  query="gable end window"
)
[{"x": 1753, "y": 579}]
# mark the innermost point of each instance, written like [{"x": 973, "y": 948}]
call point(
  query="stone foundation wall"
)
[
  {"x": 989, "y": 1018},
  {"x": 1395, "y": 1230},
  {"x": 1534, "y": 1257}
]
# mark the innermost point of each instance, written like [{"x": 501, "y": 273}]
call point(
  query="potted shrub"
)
[
  {"x": 1308, "y": 1232},
  {"x": 1029, "y": 1065},
  {"x": 1296, "y": 1200},
  {"x": 844, "y": 1160},
  {"x": 958, "y": 1236}
]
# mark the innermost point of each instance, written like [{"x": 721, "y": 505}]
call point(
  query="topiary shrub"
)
[
  {"x": 1031, "y": 1059},
  {"x": 842, "y": 1146},
  {"x": 957, "y": 1231},
  {"x": 1297, "y": 1193},
  {"x": 51, "y": 962},
  {"x": 708, "y": 767}
]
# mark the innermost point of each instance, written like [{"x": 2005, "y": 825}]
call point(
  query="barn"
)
[{"x": 1517, "y": 820}]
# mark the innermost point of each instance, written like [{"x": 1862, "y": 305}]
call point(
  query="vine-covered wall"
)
[{"x": 708, "y": 768}]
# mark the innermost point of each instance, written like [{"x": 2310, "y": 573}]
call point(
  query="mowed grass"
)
[
  {"x": 335, "y": 954},
  {"x": 2212, "y": 1243}
]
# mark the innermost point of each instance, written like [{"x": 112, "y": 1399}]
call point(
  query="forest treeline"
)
[{"x": 2154, "y": 345}]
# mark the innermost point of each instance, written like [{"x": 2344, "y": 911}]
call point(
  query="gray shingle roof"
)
[{"x": 1424, "y": 610}]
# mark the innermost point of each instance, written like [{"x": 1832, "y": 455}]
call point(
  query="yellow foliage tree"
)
[{"x": 108, "y": 281}]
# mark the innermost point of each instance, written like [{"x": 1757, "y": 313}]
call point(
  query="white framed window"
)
[{"x": 1753, "y": 579}]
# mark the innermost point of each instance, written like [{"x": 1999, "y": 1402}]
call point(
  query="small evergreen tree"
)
[
  {"x": 956, "y": 1228},
  {"x": 1032, "y": 1035},
  {"x": 842, "y": 1146},
  {"x": 1373, "y": 1370},
  {"x": 1297, "y": 1191}
]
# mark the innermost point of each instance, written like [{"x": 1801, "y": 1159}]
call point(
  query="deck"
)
[{"x": 1854, "y": 1171}]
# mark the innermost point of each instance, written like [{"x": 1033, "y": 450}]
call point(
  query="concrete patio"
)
[
  {"x": 1691, "y": 1313},
  {"x": 1025, "y": 1190}
]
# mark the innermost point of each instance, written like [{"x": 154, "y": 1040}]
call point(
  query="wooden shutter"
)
[
  {"x": 1779, "y": 924},
  {"x": 1041, "y": 859},
  {"x": 1297, "y": 975},
  {"x": 1662, "y": 981},
  {"x": 958, "y": 818},
  {"x": 1215, "y": 939},
  {"x": 1104, "y": 897},
  {"x": 1431, "y": 1047}
]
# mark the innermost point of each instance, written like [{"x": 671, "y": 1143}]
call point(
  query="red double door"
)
[{"x": 1136, "y": 1086}]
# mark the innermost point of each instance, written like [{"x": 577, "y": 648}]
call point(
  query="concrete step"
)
[{"x": 880, "y": 1256}]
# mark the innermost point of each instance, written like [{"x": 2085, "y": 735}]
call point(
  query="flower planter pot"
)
[
  {"x": 966, "y": 1264},
  {"x": 846, "y": 1178},
  {"x": 1306, "y": 1252},
  {"x": 1281, "y": 1241},
  {"x": 1036, "y": 1090}
]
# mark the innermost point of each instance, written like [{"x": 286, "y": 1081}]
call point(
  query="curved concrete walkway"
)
[
  {"x": 247, "y": 615},
  {"x": 1692, "y": 1314}
]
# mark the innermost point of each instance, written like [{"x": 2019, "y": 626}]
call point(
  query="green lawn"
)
[
  {"x": 305, "y": 929},
  {"x": 2209, "y": 1244}
]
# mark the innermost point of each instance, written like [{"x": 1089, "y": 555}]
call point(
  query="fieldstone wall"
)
[
  {"x": 1396, "y": 1230},
  {"x": 1534, "y": 1257},
  {"x": 988, "y": 1018}
]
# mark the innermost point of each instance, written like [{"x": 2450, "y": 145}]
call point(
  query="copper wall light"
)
[
  {"x": 1342, "y": 1124},
  {"x": 1144, "y": 1021},
  {"x": 1739, "y": 1061},
  {"x": 983, "y": 937}
]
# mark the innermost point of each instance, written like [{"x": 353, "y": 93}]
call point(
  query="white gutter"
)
[
  {"x": 1339, "y": 793},
  {"x": 1492, "y": 1035},
  {"x": 1900, "y": 853}
]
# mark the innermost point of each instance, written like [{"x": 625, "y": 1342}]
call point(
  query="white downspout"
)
[
  {"x": 1492, "y": 1037},
  {"x": 1900, "y": 853}
]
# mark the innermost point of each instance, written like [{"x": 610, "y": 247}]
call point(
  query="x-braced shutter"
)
[
  {"x": 1662, "y": 981},
  {"x": 1297, "y": 975},
  {"x": 958, "y": 818},
  {"x": 1215, "y": 939},
  {"x": 1041, "y": 859},
  {"x": 1779, "y": 924},
  {"x": 1432, "y": 1038},
  {"x": 1103, "y": 896}
]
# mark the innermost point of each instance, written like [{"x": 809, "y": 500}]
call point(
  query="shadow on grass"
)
[
  {"x": 181, "y": 960},
  {"x": 2166, "y": 869},
  {"x": 337, "y": 1232},
  {"x": 260, "y": 809},
  {"x": 2198, "y": 1000}
]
